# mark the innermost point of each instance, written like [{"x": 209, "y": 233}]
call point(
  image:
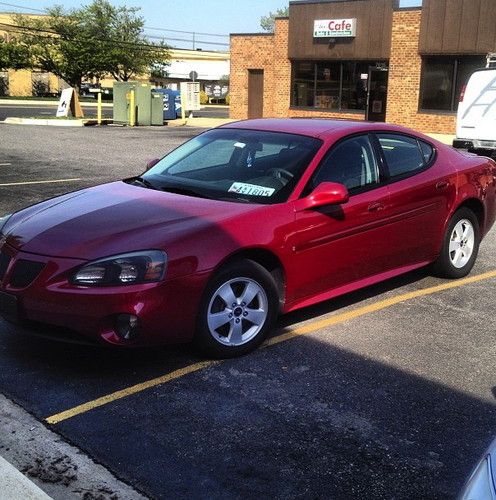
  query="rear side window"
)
[
  {"x": 404, "y": 155},
  {"x": 427, "y": 151}
]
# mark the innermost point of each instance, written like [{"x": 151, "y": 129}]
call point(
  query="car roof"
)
[{"x": 315, "y": 127}]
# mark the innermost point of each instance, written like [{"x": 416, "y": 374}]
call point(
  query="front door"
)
[
  {"x": 377, "y": 94},
  {"x": 255, "y": 93},
  {"x": 336, "y": 245}
]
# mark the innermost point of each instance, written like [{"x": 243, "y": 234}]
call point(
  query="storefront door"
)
[
  {"x": 255, "y": 93},
  {"x": 377, "y": 94}
]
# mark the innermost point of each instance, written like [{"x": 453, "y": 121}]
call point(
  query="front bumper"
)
[{"x": 41, "y": 292}]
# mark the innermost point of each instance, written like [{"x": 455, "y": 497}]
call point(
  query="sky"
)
[{"x": 206, "y": 18}]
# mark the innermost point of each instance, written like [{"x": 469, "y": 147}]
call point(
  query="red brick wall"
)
[
  {"x": 319, "y": 113},
  {"x": 281, "y": 90},
  {"x": 267, "y": 52},
  {"x": 404, "y": 79},
  {"x": 270, "y": 53}
]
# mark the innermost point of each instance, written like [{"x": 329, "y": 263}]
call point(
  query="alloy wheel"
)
[
  {"x": 462, "y": 243},
  {"x": 237, "y": 311}
]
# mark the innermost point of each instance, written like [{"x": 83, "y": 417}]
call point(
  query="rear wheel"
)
[
  {"x": 460, "y": 246},
  {"x": 238, "y": 310}
]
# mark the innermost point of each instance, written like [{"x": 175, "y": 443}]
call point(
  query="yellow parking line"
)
[
  {"x": 377, "y": 306},
  {"x": 90, "y": 405},
  {"x": 302, "y": 330},
  {"x": 39, "y": 182}
]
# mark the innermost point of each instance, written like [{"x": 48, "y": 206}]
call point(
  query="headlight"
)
[
  {"x": 3, "y": 221},
  {"x": 126, "y": 269}
]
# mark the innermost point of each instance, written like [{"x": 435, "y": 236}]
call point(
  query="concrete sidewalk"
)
[
  {"x": 444, "y": 138},
  {"x": 53, "y": 469},
  {"x": 16, "y": 486},
  {"x": 202, "y": 122}
]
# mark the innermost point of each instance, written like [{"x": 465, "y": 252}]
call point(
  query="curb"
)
[
  {"x": 444, "y": 138},
  {"x": 84, "y": 122},
  {"x": 189, "y": 122},
  {"x": 14, "y": 484},
  {"x": 27, "y": 102},
  {"x": 48, "y": 121},
  {"x": 199, "y": 122}
]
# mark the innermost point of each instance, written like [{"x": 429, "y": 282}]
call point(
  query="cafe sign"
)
[{"x": 334, "y": 28}]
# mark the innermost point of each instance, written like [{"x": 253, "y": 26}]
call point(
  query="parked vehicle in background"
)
[
  {"x": 91, "y": 90},
  {"x": 476, "y": 118},
  {"x": 481, "y": 484}
]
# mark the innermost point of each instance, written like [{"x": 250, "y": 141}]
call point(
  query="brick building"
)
[{"x": 364, "y": 59}]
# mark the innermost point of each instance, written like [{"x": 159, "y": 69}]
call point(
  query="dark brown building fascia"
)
[
  {"x": 373, "y": 32},
  {"x": 458, "y": 27}
]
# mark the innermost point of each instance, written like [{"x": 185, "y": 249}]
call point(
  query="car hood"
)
[{"x": 111, "y": 219}]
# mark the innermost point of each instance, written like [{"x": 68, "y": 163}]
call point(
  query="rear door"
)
[{"x": 421, "y": 191}]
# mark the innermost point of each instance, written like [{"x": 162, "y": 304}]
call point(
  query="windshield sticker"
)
[
  {"x": 239, "y": 145},
  {"x": 250, "y": 189}
]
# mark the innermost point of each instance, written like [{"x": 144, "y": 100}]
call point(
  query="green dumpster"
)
[{"x": 157, "y": 109}]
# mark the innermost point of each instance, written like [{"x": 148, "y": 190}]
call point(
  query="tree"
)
[
  {"x": 88, "y": 42},
  {"x": 13, "y": 56},
  {"x": 127, "y": 52},
  {"x": 267, "y": 22}
]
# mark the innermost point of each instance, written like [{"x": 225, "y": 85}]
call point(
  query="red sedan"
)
[{"x": 241, "y": 223}]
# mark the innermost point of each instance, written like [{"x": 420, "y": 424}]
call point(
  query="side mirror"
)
[
  {"x": 326, "y": 193},
  {"x": 151, "y": 163}
]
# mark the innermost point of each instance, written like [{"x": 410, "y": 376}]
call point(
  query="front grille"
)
[
  {"x": 25, "y": 272},
  {"x": 4, "y": 264}
]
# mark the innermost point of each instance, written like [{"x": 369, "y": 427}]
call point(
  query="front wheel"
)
[
  {"x": 238, "y": 309},
  {"x": 460, "y": 245}
]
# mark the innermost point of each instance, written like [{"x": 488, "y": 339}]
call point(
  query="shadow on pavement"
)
[{"x": 304, "y": 419}]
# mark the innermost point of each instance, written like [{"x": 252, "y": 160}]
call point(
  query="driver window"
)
[{"x": 352, "y": 163}]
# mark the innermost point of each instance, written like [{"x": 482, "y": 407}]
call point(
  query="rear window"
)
[{"x": 404, "y": 155}]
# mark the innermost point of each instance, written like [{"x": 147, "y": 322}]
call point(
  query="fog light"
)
[{"x": 127, "y": 326}]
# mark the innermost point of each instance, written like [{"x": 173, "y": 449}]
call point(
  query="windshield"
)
[{"x": 235, "y": 164}]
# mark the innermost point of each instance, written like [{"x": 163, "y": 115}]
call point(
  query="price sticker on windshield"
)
[{"x": 250, "y": 189}]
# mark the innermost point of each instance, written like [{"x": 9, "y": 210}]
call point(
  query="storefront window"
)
[
  {"x": 327, "y": 85},
  {"x": 304, "y": 84},
  {"x": 355, "y": 78},
  {"x": 442, "y": 80},
  {"x": 332, "y": 85}
]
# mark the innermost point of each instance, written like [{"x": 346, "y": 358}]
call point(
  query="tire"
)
[
  {"x": 460, "y": 245},
  {"x": 238, "y": 310}
]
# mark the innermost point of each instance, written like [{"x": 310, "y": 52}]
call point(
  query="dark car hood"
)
[{"x": 113, "y": 218}]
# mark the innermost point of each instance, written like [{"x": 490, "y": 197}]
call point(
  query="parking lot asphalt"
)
[{"x": 388, "y": 392}]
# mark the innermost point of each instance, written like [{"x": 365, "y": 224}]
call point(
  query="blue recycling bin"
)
[
  {"x": 177, "y": 101},
  {"x": 169, "y": 100}
]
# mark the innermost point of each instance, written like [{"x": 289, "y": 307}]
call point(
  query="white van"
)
[{"x": 476, "y": 118}]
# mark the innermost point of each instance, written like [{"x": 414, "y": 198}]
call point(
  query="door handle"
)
[
  {"x": 375, "y": 207},
  {"x": 442, "y": 184}
]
